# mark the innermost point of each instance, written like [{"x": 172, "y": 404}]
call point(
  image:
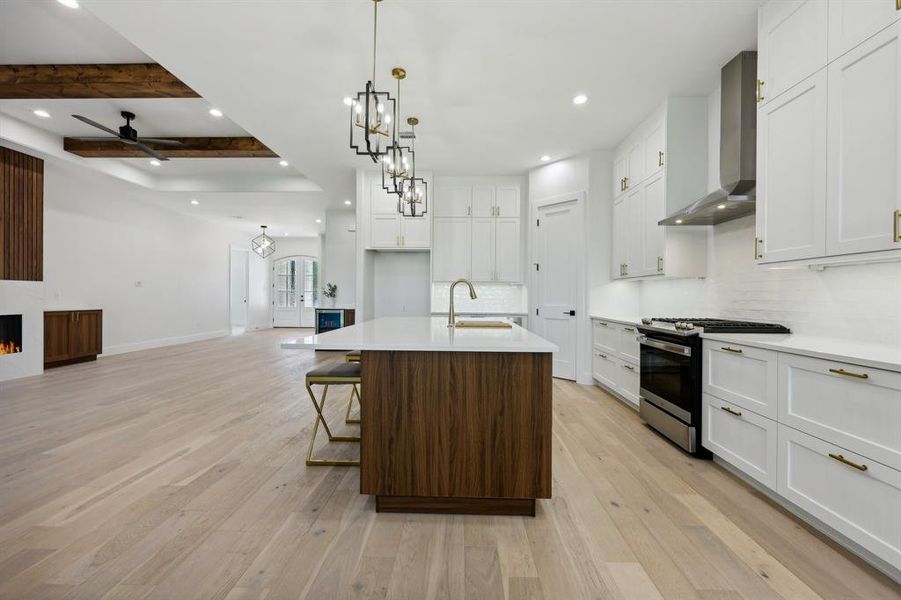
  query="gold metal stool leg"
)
[
  {"x": 350, "y": 404},
  {"x": 318, "y": 406}
]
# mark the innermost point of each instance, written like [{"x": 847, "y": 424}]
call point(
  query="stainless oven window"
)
[{"x": 667, "y": 379}]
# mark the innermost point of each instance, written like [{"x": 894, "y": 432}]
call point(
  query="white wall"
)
[
  {"x": 159, "y": 276},
  {"x": 339, "y": 255},
  {"x": 295, "y": 246},
  {"x": 400, "y": 284}
]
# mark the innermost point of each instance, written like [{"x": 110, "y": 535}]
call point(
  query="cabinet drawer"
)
[
  {"x": 855, "y": 407},
  {"x": 627, "y": 343},
  {"x": 629, "y": 381},
  {"x": 741, "y": 374},
  {"x": 604, "y": 335},
  {"x": 861, "y": 504},
  {"x": 604, "y": 368},
  {"x": 742, "y": 438}
]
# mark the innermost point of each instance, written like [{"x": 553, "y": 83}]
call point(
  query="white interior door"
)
[
  {"x": 238, "y": 286},
  {"x": 557, "y": 283},
  {"x": 310, "y": 296}
]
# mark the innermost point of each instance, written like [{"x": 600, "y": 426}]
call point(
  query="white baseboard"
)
[{"x": 162, "y": 342}]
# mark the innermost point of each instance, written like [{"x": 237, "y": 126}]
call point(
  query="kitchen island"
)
[{"x": 453, "y": 420}]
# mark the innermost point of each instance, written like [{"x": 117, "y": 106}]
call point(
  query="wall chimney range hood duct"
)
[{"x": 738, "y": 150}]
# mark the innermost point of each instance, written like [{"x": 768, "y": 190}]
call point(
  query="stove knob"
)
[{"x": 646, "y": 321}]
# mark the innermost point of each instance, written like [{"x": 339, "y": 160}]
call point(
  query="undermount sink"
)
[{"x": 484, "y": 323}]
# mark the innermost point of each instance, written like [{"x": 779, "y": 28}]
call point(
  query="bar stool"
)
[
  {"x": 354, "y": 356},
  {"x": 336, "y": 374}
]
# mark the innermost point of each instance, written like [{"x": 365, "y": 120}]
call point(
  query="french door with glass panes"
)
[{"x": 295, "y": 283}]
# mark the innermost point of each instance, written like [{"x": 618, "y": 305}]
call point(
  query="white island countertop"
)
[{"x": 423, "y": 334}]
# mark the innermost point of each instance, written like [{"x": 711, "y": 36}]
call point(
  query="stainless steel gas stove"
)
[{"x": 670, "y": 396}]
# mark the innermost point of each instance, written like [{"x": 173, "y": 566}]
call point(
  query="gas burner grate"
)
[{"x": 727, "y": 326}]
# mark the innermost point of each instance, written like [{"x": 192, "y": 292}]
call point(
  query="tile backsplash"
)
[
  {"x": 857, "y": 302},
  {"x": 500, "y": 298}
]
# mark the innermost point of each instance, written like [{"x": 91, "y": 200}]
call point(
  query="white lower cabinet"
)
[
  {"x": 629, "y": 382},
  {"x": 627, "y": 343},
  {"x": 741, "y": 374},
  {"x": 741, "y": 437},
  {"x": 854, "y": 495},
  {"x": 604, "y": 335},
  {"x": 604, "y": 368},
  {"x": 856, "y": 407}
]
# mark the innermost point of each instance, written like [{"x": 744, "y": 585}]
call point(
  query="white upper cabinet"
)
[
  {"x": 380, "y": 201},
  {"x": 483, "y": 197},
  {"x": 416, "y": 232},
  {"x": 451, "y": 249},
  {"x": 507, "y": 250},
  {"x": 853, "y": 21},
  {"x": 864, "y": 161},
  {"x": 634, "y": 163},
  {"x": 619, "y": 174},
  {"x": 655, "y": 148},
  {"x": 486, "y": 231},
  {"x": 654, "y": 209},
  {"x": 791, "y": 44},
  {"x": 791, "y": 173},
  {"x": 663, "y": 167},
  {"x": 507, "y": 202},
  {"x": 387, "y": 229},
  {"x": 453, "y": 201},
  {"x": 482, "y": 249}
]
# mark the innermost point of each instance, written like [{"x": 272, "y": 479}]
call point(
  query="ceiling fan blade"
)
[
  {"x": 150, "y": 151},
  {"x": 159, "y": 141},
  {"x": 93, "y": 123},
  {"x": 85, "y": 138}
]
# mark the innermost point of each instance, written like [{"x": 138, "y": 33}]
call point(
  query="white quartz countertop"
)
[
  {"x": 484, "y": 313},
  {"x": 422, "y": 334},
  {"x": 623, "y": 320},
  {"x": 878, "y": 356}
]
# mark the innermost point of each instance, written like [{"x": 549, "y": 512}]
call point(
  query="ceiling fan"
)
[{"x": 129, "y": 135}]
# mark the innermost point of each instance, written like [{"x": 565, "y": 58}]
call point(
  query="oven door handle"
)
[{"x": 665, "y": 346}]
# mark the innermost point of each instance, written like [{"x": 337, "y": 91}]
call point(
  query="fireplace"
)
[{"x": 10, "y": 334}]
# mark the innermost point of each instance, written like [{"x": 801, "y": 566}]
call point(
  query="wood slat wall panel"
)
[{"x": 21, "y": 216}]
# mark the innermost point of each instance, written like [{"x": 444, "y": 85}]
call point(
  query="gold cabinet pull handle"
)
[
  {"x": 660, "y": 264},
  {"x": 897, "y": 214},
  {"x": 629, "y": 329},
  {"x": 760, "y": 87},
  {"x": 849, "y": 373},
  {"x": 630, "y": 367},
  {"x": 897, "y": 4},
  {"x": 736, "y": 413},
  {"x": 731, "y": 349},
  {"x": 757, "y": 252},
  {"x": 660, "y": 153},
  {"x": 844, "y": 460}
]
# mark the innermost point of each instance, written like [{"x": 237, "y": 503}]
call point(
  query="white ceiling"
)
[{"x": 491, "y": 80}]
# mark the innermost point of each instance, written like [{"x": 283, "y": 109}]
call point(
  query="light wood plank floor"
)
[{"x": 178, "y": 473}]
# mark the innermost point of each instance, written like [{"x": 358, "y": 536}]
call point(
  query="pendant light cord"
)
[{"x": 375, "y": 23}]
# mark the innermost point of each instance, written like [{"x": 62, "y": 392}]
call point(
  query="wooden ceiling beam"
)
[
  {"x": 192, "y": 147},
  {"x": 134, "y": 80}
]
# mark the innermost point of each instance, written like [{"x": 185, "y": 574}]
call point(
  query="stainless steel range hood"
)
[{"x": 738, "y": 150}]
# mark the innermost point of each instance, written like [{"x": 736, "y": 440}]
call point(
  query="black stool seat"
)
[{"x": 337, "y": 370}]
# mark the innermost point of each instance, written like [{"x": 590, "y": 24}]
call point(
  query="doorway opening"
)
[
  {"x": 239, "y": 289},
  {"x": 295, "y": 291}
]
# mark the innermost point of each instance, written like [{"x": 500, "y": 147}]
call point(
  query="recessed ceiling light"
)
[
  {"x": 721, "y": 206},
  {"x": 283, "y": 163},
  {"x": 216, "y": 112},
  {"x": 347, "y": 202},
  {"x": 348, "y": 100},
  {"x": 154, "y": 162},
  {"x": 678, "y": 221},
  {"x": 319, "y": 220},
  {"x": 580, "y": 99},
  {"x": 69, "y": 3},
  {"x": 41, "y": 113},
  {"x": 286, "y": 234},
  {"x": 545, "y": 158},
  {"x": 195, "y": 202}
]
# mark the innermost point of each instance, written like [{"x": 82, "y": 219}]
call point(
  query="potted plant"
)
[{"x": 330, "y": 291}]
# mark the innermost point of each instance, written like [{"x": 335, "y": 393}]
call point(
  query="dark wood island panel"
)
[{"x": 456, "y": 431}]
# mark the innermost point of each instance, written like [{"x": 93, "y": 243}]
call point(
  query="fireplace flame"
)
[{"x": 9, "y": 348}]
